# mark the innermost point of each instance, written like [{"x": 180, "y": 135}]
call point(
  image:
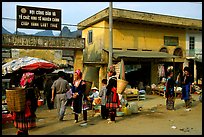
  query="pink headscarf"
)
[
  {"x": 26, "y": 78},
  {"x": 78, "y": 71}
]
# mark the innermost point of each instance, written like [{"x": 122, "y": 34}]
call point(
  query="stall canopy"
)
[
  {"x": 28, "y": 64},
  {"x": 141, "y": 54}
]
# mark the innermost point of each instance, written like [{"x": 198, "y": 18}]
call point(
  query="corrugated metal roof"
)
[{"x": 141, "y": 54}]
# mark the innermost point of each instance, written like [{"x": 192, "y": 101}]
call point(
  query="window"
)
[
  {"x": 178, "y": 52},
  {"x": 90, "y": 37},
  {"x": 171, "y": 41},
  {"x": 191, "y": 43},
  {"x": 164, "y": 50}
]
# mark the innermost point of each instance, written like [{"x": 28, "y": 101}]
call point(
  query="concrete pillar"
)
[
  {"x": 102, "y": 75},
  {"x": 91, "y": 74},
  {"x": 195, "y": 72},
  {"x": 154, "y": 73},
  {"x": 78, "y": 60}
]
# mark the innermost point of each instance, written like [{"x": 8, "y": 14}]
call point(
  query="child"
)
[
  {"x": 102, "y": 95},
  {"x": 94, "y": 95},
  {"x": 94, "y": 100}
]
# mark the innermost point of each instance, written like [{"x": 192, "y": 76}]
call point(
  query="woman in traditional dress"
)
[
  {"x": 79, "y": 99},
  {"x": 186, "y": 81},
  {"x": 26, "y": 119},
  {"x": 169, "y": 93},
  {"x": 112, "y": 98}
]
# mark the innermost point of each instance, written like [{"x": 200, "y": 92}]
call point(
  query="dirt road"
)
[{"x": 154, "y": 119}]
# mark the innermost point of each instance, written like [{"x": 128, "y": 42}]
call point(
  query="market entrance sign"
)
[
  {"x": 41, "y": 42},
  {"x": 38, "y": 18}
]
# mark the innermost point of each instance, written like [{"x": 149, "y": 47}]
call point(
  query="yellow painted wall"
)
[
  {"x": 78, "y": 60},
  {"x": 92, "y": 51},
  {"x": 143, "y": 37},
  {"x": 48, "y": 55}
]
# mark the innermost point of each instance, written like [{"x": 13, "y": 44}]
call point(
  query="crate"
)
[{"x": 16, "y": 98}]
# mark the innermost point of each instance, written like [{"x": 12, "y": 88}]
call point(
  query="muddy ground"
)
[{"x": 153, "y": 119}]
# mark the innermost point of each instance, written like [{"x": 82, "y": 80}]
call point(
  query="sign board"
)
[
  {"x": 38, "y": 18},
  {"x": 41, "y": 42},
  {"x": 171, "y": 41},
  {"x": 6, "y": 53}
]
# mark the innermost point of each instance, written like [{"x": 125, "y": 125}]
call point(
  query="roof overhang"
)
[
  {"x": 141, "y": 54},
  {"x": 141, "y": 17},
  {"x": 195, "y": 59}
]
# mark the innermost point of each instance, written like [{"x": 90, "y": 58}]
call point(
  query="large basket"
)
[
  {"x": 88, "y": 87},
  {"x": 121, "y": 85},
  {"x": 16, "y": 98}
]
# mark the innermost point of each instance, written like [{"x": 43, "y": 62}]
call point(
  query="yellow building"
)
[{"x": 146, "y": 42}]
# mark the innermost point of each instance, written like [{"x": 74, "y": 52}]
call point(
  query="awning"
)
[
  {"x": 141, "y": 54},
  {"x": 198, "y": 60},
  {"x": 195, "y": 59}
]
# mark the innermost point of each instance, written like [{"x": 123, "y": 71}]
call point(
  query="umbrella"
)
[{"x": 28, "y": 64}]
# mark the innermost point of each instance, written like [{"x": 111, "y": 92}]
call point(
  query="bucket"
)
[
  {"x": 126, "y": 110},
  {"x": 40, "y": 102},
  {"x": 121, "y": 85}
]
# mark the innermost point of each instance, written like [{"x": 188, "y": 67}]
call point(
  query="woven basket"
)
[
  {"x": 121, "y": 85},
  {"x": 16, "y": 99}
]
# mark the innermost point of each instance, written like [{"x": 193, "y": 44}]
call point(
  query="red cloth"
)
[
  {"x": 27, "y": 109},
  {"x": 7, "y": 118},
  {"x": 114, "y": 90},
  {"x": 115, "y": 96}
]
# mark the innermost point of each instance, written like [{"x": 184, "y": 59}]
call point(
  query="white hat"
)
[{"x": 94, "y": 88}]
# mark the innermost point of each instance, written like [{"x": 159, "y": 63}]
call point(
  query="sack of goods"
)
[
  {"x": 133, "y": 107},
  {"x": 97, "y": 101}
]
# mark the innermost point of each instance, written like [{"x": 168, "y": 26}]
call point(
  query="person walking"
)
[
  {"x": 102, "y": 95},
  {"x": 79, "y": 99},
  {"x": 169, "y": 93},
  {"x": 112, "y": 98},
  {"x": 48, "y": 92},
  {"x": 61, "y": 86},
  {"x": 186, "y": 81}
]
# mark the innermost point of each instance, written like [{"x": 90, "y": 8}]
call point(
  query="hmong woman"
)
[
  {"x": 186, "y": 82},
  {"x": 112, "y": 98},
  {"x": 79, "y": 100},
  {"x": 26, "y": 119},
  {"x": 169, "y": 94}
]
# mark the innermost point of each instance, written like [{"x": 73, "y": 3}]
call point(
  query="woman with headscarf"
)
[
  {"x": 186, "y": 81},
  {"x": 169, "y": 93},
  {"x": 26, "y": 119},
  {"x": 79, "y": 99},
  {"x": 112, "y": 98}
]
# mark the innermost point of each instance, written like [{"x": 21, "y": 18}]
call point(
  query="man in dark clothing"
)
[{"x": 48, "y": 92}]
